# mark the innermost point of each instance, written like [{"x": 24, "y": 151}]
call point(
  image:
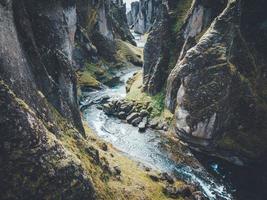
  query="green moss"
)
[
  {"x": 137, "y": 94},
  {"x": 181, "y": 12},
  {"x": 94, "y": 74},
  {"x": 94, "y": 69},
  {"x": 157, "y": 104},
  {"x": 86, "y": 79}
]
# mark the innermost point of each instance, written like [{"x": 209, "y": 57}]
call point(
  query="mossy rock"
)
[
  {"x": 85, "y": 79},
  {"x": 127, "y": 52}
]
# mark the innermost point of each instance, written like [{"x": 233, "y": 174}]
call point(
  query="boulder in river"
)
[
  {"x": 144, "y": 113},
  {"x": 108, "y": 109},
  {"x": 126, "y": 107},
  {"x": 132, "y": 117},
  {"x": 137, "y": 121},
  {"x": 142, "y": 125},
  {"x": 153, "y": 123},
  {"x": 122, "y": 115}
]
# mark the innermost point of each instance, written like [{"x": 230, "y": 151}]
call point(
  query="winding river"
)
[{"x": 145, "y": 147}]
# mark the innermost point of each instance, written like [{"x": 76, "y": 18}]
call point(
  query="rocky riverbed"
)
[
  {"x": 133, "y": 113},
  {"x": 112, "y": 118}
]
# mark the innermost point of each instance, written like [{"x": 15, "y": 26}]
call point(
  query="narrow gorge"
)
[{"x": 137, "y": 100}]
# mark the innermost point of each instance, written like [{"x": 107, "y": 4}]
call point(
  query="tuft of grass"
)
[{"x": 157, "y": 104}]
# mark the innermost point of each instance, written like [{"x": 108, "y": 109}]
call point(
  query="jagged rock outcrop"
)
[
  {"x": 34, "y": 163},
  {"x": 217, "y": 88},
  {"x": 142, "y": 20},
  {"x": 184, "y": 23},
  {"x": 100, "y": 23},
  {"x": 157, "y": 53},
  {"x": 37, "y": 83},
  {"x": 133, "y": 13},
  {"x": 46, "y": 63}
]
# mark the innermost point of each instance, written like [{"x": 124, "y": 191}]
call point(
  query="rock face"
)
[
  {"x": 143, "y": 14},
  {"x": 34, "y": 163},
  {"x": 157, "y": 53},
  {"x": 133, "y": 13},
  {"x": 48, "y": 64},
  {"x": 217, "y": 86},
  {"x": 100, "y": 24},
  {"x": 42, "y": 42},
  {"x": 37, "y": 82},
  {"x": 172, "y": 35},
  {"x": 112, "y": 22}
]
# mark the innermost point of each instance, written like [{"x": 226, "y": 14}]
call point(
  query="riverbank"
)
[
  {"x": 123, "y": 178},
  {"x": 151, "y": 148}
]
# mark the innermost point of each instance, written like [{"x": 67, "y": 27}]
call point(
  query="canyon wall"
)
[
  {"x": 143, "y": 14},
  {"x": 38, "y": 93},
  {"x": 217, "y": 88},
  {"x": 100, "y": 23}
]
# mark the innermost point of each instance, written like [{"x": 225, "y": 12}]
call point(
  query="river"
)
[{"x": 146, "y": 148}]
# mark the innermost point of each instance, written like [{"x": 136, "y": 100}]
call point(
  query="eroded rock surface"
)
[
  {"x": 210, "y": 63},
  {"x": 216, "y": 87},
  {"x": 100, "y": 23},
  {"x": 172, "y": 35},
  {"x": 157, "y": 53},
  {"x": 37, "y": 83},
  {"x": 143, "y": 15}
]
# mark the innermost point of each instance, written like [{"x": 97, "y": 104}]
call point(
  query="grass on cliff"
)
[
  {"x": 85, "y": 78},
  {"x": 94, "y": 74},
  {"x": 181, "y": 11},
  {"x": 137, "y": 94},
  {"x": 89, "y": 75},
  {"x": 127, "y": 52}
]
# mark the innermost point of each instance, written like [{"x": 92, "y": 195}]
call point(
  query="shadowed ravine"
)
[{"x": 144, "y": 147}]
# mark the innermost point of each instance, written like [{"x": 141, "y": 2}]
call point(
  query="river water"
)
[{"x": 145, "y": 148}]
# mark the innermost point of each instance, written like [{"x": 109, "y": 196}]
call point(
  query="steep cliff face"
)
[
  {"x": 51, "y": 64},
  {"x": 37, "y": 81},
  {"x": 185, "y": 21},
  {"x": 143, "y": 15},
  {"x": 103, "y": 42},
  {"x": 45, "y": 151},
  {"x": 133, "y": 13},
  {"x": 157, "y": 53},
  {"x": 101, "y": 23},
  {"x": 217, "y": 88}
]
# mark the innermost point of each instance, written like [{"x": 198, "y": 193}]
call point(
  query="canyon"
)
[{"x": 167, "y": 100}]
